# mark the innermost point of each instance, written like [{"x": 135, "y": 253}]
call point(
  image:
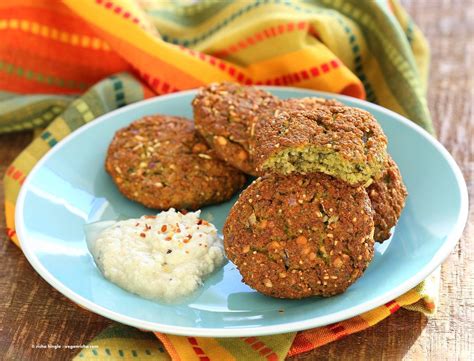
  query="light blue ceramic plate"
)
[{"x": 69, "y": 188}]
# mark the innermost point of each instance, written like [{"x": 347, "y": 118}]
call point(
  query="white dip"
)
[{"x": 162, "y": 257}]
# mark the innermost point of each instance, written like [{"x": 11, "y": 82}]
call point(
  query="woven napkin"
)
[
  {"x": 125, "y": 342},
  {"x": 63, "y": 64}
]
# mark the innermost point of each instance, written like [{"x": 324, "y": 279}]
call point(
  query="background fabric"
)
[
  {"x": 63, "y": 64},
  {"x": 125, "y": 342}
]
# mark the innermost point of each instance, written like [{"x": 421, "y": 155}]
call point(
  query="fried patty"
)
[
  {"x": 299, "y": 235},
  {"x": 387, "y": 194},
  {"x": 308, "y": 103},
  {"x": 225, "y": 114},
  {"x": 344, "y": 142},
  {"x": 162, "y": 162}
]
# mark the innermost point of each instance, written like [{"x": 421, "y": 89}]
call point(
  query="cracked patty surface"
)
[
  {"x": 341, "y": 141},
  {"x": 225, "y": 115},
  {"x": 162, "y": 162},
  {"x": 297, "y": 236},
  {"x": 388, "y": 195}
]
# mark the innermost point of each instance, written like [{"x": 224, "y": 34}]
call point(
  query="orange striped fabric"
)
[{"x": 122, "y": 51}]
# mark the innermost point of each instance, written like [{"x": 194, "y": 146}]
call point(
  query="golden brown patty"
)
[
  {"x": 285, "y": 105},
  {"x": 341, "y": 141},
  {"x": 297, "y": 236},
  {"x": 387, "y": 194},
  {"x": 308, "y": 103},
  {"x": 225, "y": 114},
  {"x": 162, "y": 162}
]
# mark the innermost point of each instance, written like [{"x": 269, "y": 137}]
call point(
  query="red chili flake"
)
[
  {"x": 199, "y": 222},
  {"x": 178, "y": 230},
  {"x": 168, "y": 238},
  {"x": 206, "y": 223},
  {"x": 150, "y": 217},
  {"x": 164, "y": 228},
  {"x": 143, "y": 235}
]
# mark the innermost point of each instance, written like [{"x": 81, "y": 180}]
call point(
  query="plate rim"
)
[{"x": 442, "y": 253}]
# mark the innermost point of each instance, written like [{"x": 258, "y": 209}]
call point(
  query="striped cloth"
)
[
  {"x": 63, "y": 64},
  {"x": 125, "y": 343}
]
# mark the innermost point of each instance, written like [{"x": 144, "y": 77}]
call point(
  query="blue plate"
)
[{"x": 69, "y": 188}]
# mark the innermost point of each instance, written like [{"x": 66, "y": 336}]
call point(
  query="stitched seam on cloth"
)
[
  {"x": 117, "y": 9},
  {"x": 302, "y": 75},
  {"x": 30, "y": 75},
  {"x": 52, "y": 33},
  {"x": 159, "y": 85},
  {"x": 265, "y": 34},
  {"x": 190, "y": 15},
  {"x": 260, "y": 347},
  {"x": 193, "y": 41},
  {"x": 200, "y": 353}
]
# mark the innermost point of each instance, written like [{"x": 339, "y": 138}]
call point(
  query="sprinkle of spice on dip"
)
[{"x": 163, "y": 257}]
